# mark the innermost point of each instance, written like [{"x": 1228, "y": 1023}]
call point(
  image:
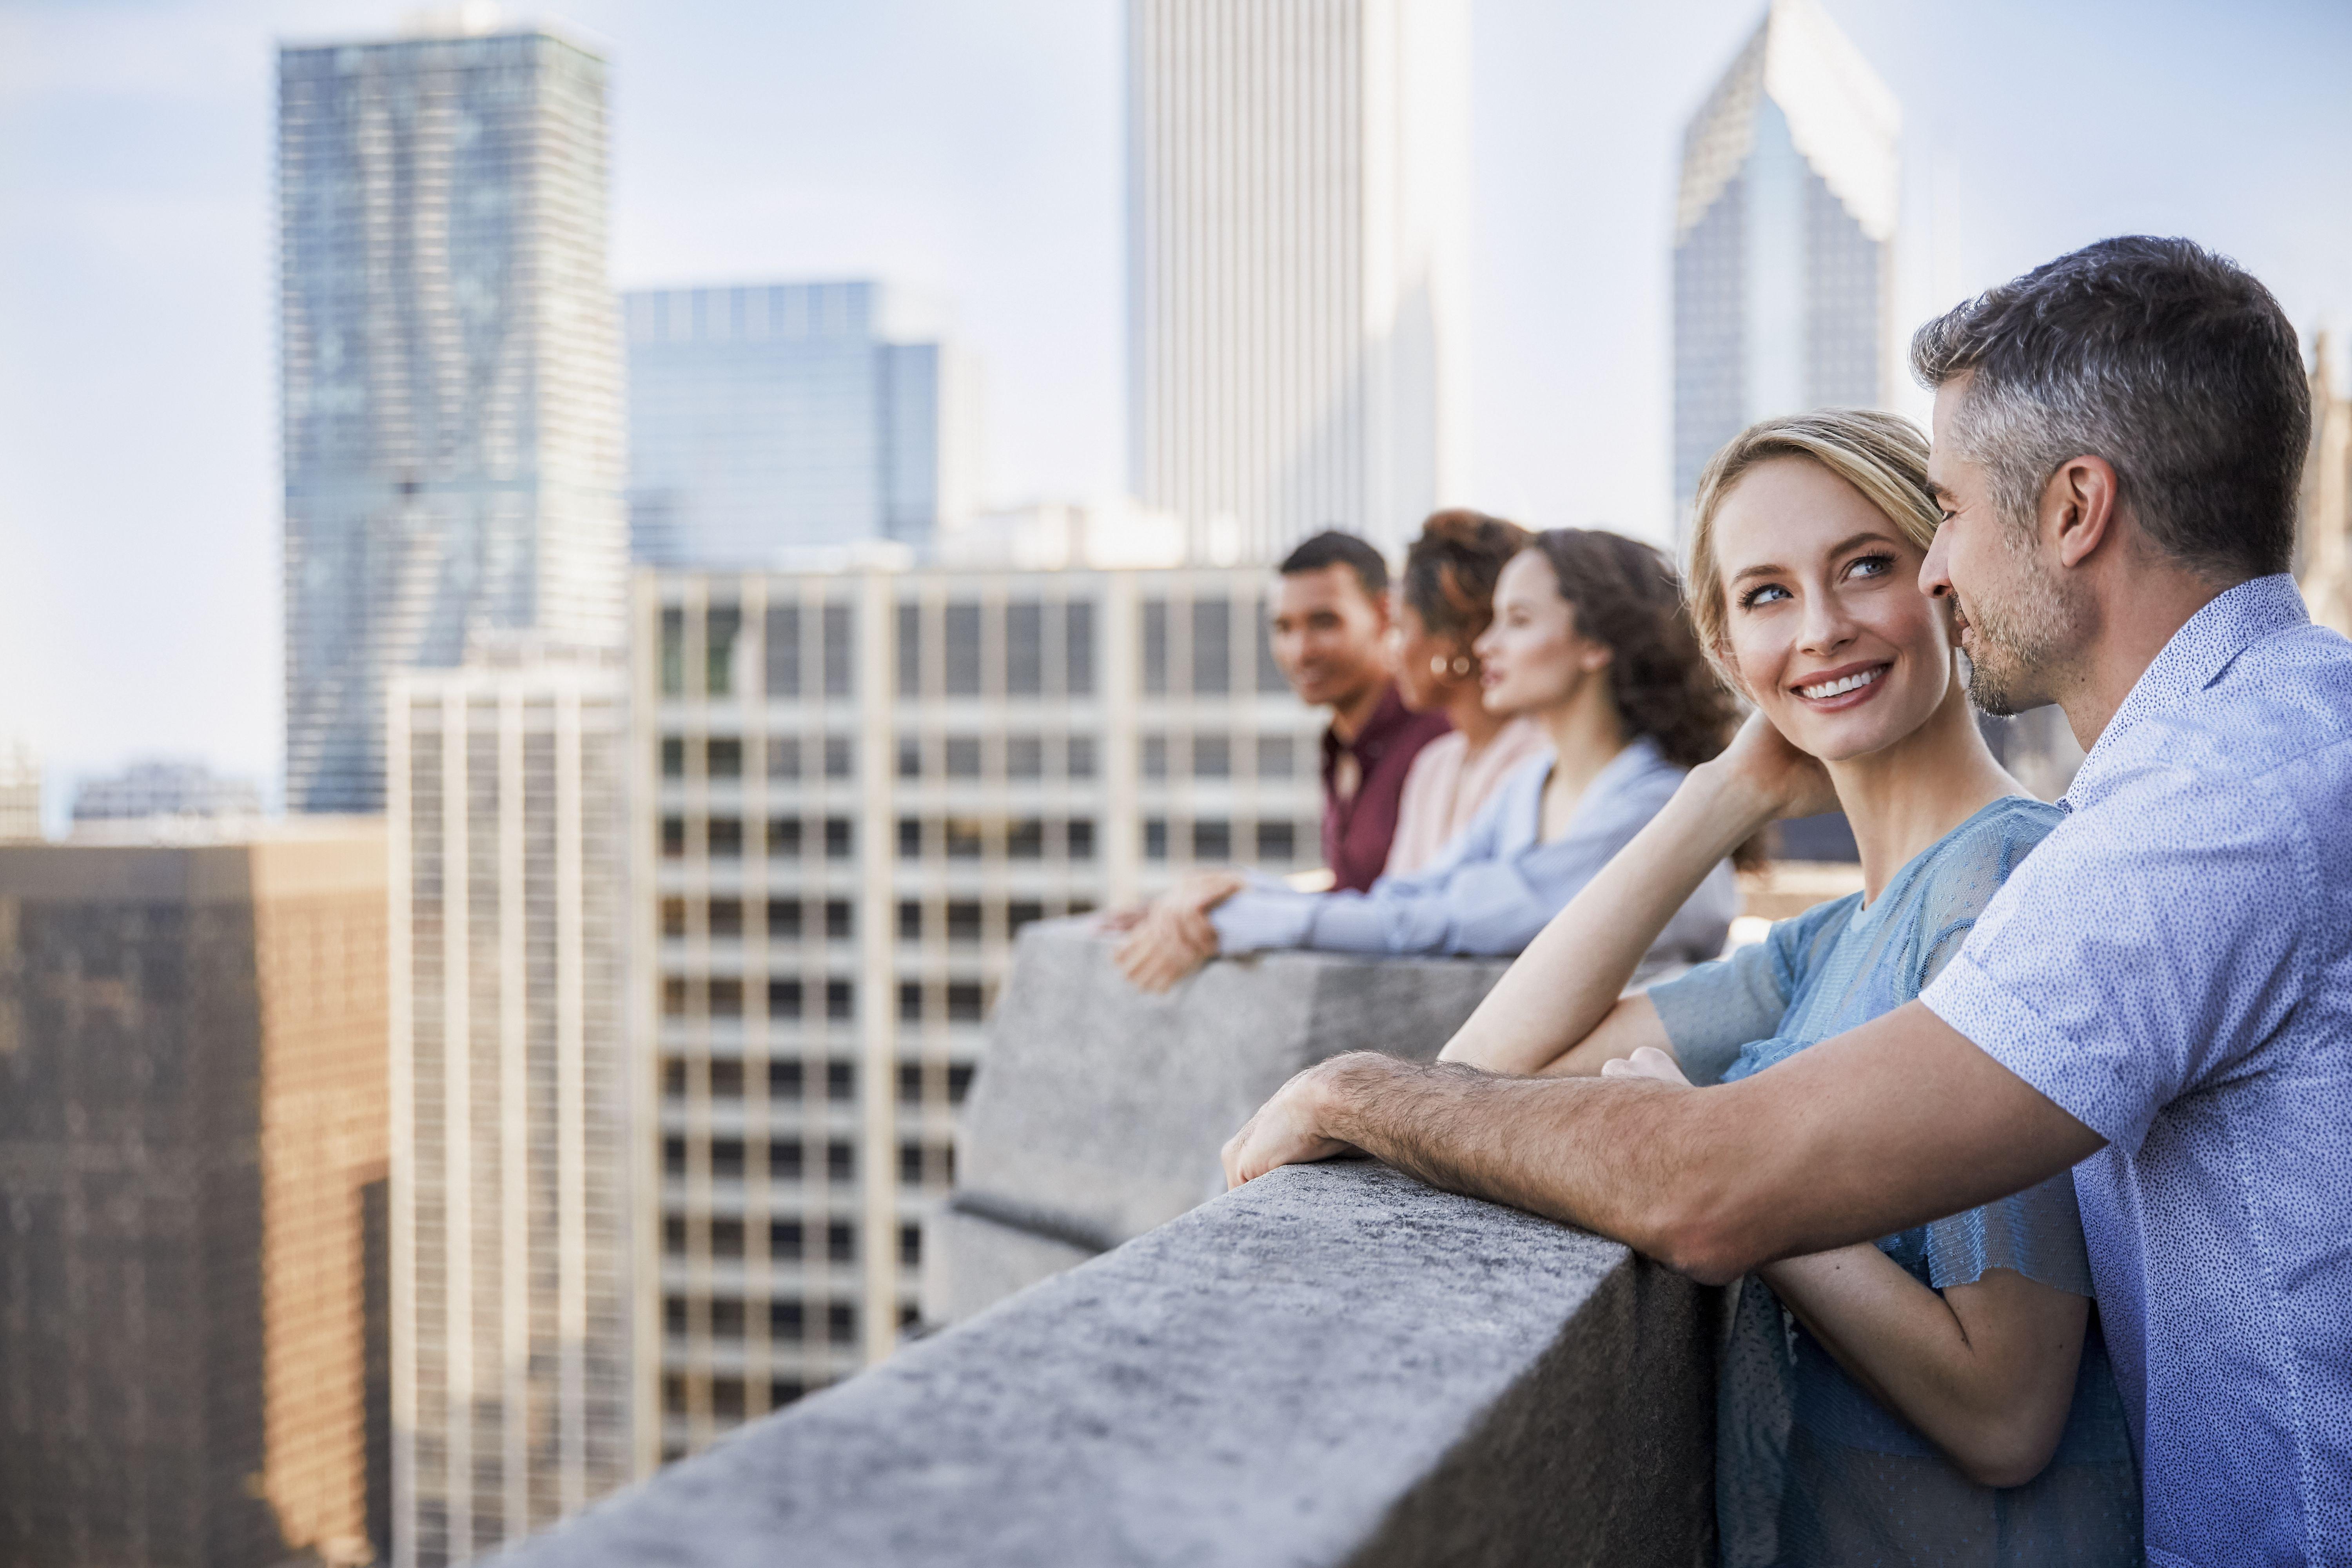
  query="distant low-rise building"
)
[
  {"x": 20, "y": 795},
  {"x": 193, "y": 1201},
  {"x": 160, "y": 793}
]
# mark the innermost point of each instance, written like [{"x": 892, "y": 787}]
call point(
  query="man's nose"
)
[{"x": 1935, "y": 576}]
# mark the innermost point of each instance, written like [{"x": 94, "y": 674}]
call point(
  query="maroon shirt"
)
[{"x": 1357, "y": 831}]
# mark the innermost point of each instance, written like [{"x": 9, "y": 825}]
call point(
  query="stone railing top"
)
[{"x": 1335, "y": 1365}]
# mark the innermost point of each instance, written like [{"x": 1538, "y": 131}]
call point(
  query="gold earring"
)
[
  {"x": 1437, "y": 664},
  {"x": 1462, "y": 665}
]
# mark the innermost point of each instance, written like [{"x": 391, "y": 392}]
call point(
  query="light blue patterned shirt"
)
[
  {"x": 1499, "y": 883},
  {"x": 2173, "y": 966}
]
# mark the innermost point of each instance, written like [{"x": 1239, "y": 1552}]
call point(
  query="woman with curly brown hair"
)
[{"x": 1590, "y": 643}]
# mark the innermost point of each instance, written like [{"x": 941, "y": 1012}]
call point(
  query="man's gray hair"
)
[{"x": 2173, "y": 363}]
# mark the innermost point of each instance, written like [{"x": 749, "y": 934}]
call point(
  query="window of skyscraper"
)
[
  {"x": 727, "y": 1323},
  {"x": 674, "y": 1322},
  {"x": 727, "y": 1393},
  {"x": 674, "y": 1235},
  {"x": 910, "y": 1002},
  {"x": 724, "y": 759},
  {"x": 726, "y": 838},
  {"x": 727, "y": 1159},
  {"x": 1275, "y": 841},
  {"x": 1024, "y": 648},
  {"x": 840, "y": 999},
  {"x": 1082, "y": 756},
  {"x": 784, "y": 650},
  {"x": 963, "y": 756},
  {"x": 911, "y": 920},
  {"x": 1078, "y": 649},
  {"x": 1025, "y": 839},
  {"x": 1212, "y": 840},
  {"x": 675, "y": 996},
  {"x": 1021, "y": 912},
  {"x": 1212, "y": 648},
  {"x": 910, "y": 1164},
  {"x": 1081, "y": 838},
  {"x": 720, "y": 626},
  {"x": 963, "y": 835},
  {"x": 910, "y": 1246},
  {"x": 1213, "y": 757},
  {"x": 785, "y": 1239},
  {"x": 964, "y": 1000},
  {"x": 910, "y": 838},
  {"x": 910, "y": 650},
  {"x": 841, "y": 1162},
  {"x": 840, "y": 840},
  {"x": 673, "y": 917},
  {"x": 1155, "y": 647},
  {"x": 787, "y": 1321},
  {"x": 726, "y": 918},
  {"x": 1155, "y": 839},
  {"x": 673, "y": 837},
  {"x": 910, "y": 1083},
  {"x": 841, "y": 1081},
  {"x": 673, "y": 757},
  {"x": 840, "y": 757},
  {"x": 674, "y": 1079},
  {"x": 783, "y": 920},
  {"x": 784, "y": 1079},
  {"x": 673, "y": 1157},
  {"x": 963, "y": 920},
  {"x": 840, "y": 649},
  {"x": 1275, "y": 756},
  {"x": 1024, "y": 757},
  {"x": 960, "y": 650},
  {"x": 726, "y": 1238},
  {"x": 783, "y": 998},
  {"x": 1269, "y": 674},
  {"x": 841, "y": 1323},
  {"x": 839, "y": 919},
  {"x": 959, "y": 1082},
  {"x": 785, "y": 1161},
  {"x": 726, "y": 997},
  {"x": 673, "y": 653},
  {"x": 784, "y": 758},
  {"x": 840, "y": 1241},
  {"x": 910, "y": 757},
  {"x": 1155, "y": 756},
  {"x": 783, "y": 838}
]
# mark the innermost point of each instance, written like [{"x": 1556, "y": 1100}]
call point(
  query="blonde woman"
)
[{"x": 1941, "y": 1396}]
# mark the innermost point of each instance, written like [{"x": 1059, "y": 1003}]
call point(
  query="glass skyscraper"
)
[
  {"x": 451, "y": 381},
  {"x": 770, "y": 420},
  {"x": 1784, "y": 235}
]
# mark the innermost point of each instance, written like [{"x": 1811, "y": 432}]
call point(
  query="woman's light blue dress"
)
[{"x": 1810, "y": 1470}]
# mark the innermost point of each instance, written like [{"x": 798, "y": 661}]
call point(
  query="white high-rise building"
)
[
  {"x": 513, "y": 1395},
  {"x": 1297, "y": 193},
  {"x": 1784, "y": 235},
  {"x": 451, "y": 375}
]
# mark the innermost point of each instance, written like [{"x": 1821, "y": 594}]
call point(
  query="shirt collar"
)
[
  {"x": 2195, "y": 656},
  {"x": 1389, "y": 715}
]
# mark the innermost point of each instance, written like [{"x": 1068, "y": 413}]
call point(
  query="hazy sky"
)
[{"x": 972, "y": 147}]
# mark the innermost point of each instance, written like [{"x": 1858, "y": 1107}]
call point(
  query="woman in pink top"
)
[{"x": 1444, "y": 601}]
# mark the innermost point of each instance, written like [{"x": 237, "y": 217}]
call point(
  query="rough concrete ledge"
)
[
  {"x": 1334, "y": 1365},
  {"x": 1099, "y": 1111}
]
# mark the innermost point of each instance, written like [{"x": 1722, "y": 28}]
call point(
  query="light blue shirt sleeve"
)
[
  {"x": 2136, "y": 956},
  {"x": 1493, "y": 888},
  {"x": 1711, "y": 1012}
]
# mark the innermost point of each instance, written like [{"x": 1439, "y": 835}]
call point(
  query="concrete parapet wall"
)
[
  {"x": 1333, "y": 1365},
  {"x": 1098, "y": 1112}
]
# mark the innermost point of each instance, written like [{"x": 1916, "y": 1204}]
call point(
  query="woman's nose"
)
[{"x": 1826, "y": 627}]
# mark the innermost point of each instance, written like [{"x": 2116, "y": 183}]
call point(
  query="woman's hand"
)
[
  {"x": 1782, "y": 780},
  {"x": 1647, "y": 1061}
]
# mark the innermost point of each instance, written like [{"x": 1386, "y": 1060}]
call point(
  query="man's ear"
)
[{"x": 2078, "y": 508}]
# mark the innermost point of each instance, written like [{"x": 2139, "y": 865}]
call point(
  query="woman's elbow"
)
[{"x": 2006, "y": 1449}]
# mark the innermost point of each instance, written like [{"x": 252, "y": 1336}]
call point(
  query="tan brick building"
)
[{"x": 193, "y": 1159}]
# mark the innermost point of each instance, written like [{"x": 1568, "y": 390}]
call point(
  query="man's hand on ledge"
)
[{"x": 1288, "y": 1130}]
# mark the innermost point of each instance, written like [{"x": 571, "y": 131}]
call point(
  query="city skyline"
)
[{"x": 156, "y": 128}]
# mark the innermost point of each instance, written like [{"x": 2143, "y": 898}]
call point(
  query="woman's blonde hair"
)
[{"x": 1884, "y": 456}]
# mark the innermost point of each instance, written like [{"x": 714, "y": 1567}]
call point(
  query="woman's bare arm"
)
[{"x": 1986, "y": 1371}]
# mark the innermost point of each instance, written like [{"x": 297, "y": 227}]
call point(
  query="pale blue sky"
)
[{"x": 972, "y": 147}]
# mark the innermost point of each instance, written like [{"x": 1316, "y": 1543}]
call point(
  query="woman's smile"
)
[{"x": 1847, "y": 686}]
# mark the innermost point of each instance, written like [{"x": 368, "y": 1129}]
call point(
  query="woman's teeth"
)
[{"x": 1839, "y": 687}]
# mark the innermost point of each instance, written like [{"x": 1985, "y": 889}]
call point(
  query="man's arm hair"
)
[{"x": 1890, "y": 1125}]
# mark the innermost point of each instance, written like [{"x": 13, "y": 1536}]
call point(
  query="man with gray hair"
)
[{"x": 2160, "y": 997}]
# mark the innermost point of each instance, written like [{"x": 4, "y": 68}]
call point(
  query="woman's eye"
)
[
  {"x": 1765, "y": 594},
  {"x": 1872, "y": 566}
]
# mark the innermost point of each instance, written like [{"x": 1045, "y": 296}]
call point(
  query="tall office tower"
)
[
  {"x": 512, "y": 1399},
  {"x": 854, "y": 788},
  {"x": 770, "y": 420},
  {"x": 1297, "y": 205},
  {"x": 2323, "y": 545},
  {"x": 1784, "y": 232},
  {"x": 451, "y": 375},
  {"x": 20, "y": 793},
  {"x": 192, "y": 1169},
  {"x": 185, "y": 792}
]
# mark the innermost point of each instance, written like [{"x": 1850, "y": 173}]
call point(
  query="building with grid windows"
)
[
  {"x": 1784, "y": 234},
  {"x": 1298, "y": 186},
  {"x": 450, "y": 374},
  {"x": 854, "y": 788},
  {"x": 769, "y": 421},
  {"x": 514, "y": 1382}
]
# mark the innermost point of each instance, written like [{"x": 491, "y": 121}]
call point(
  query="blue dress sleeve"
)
[{"x": 1711, "y": 1012}]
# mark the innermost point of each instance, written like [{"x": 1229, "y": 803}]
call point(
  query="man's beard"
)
[{"x": 2021, "y": 629}]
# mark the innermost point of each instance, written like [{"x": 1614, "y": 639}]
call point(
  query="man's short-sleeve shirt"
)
[{"x": 2173, "y": 967}]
